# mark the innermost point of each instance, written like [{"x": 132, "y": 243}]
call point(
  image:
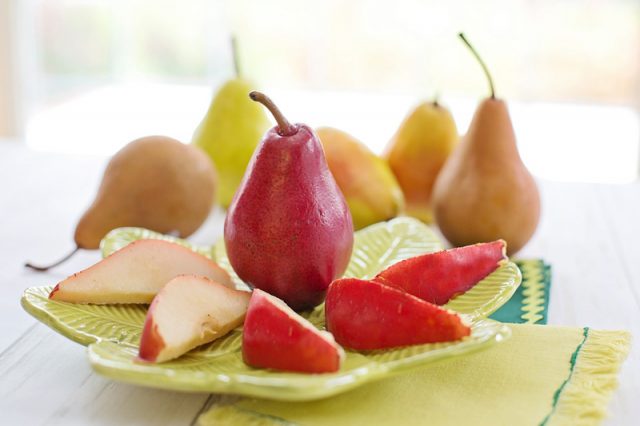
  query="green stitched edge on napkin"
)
[
  {"x": 594, "y": 366},
  {"x": 572, "y": 362}
]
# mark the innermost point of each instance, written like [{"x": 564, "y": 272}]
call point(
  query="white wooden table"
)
[{"x": 589, "y": 233}]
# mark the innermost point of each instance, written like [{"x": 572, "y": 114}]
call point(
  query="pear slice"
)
[
  {"x": 135, "y": 274},
  {"x": 441, "y": 276},
  {"x": 188, "y": 312},
  {"x": 276, "y": 337},
  {"x": 367, "y": 315}
]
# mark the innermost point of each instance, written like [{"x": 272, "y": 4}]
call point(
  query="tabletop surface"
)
[{"x": 589, "y": 233}]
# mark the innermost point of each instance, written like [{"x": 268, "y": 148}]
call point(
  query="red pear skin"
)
[
  {"x": 288, "y": 229},
  {"x": 484, "y": 192},
  {"x": 276, "y": 337},
  {"x": 366, "y": 315},
  {"x": 151, "y": 342},
  {"x": 441, "y": 276}
]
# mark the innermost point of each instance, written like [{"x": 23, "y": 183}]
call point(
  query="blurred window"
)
[{"x": 100, "y": 73}]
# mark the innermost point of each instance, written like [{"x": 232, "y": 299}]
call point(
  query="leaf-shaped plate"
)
[{"x": 218, "y": 366}]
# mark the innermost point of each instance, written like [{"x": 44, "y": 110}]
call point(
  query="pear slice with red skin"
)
[
  {"x": 135, "y": 274},
  {"x": 188, "y": 312},
  {"x": 439, "y": 277},
  {"x": 367, "y": 315},
  {"x": 276, "y": 337}
]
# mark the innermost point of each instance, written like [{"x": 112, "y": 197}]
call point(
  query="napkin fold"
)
[{"x": 542, "y": 375}]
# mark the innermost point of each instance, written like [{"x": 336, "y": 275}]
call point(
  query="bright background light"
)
[{"x": 100, "y": 73}]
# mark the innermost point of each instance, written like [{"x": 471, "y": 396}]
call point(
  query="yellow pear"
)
[
  {"x": 154, "y": 182},
  {"x": 230, "y": 132},
  {"x": 418, "y": 151},
  {"x": 367, "y": 183},
  {"x": 484, "y": 192}
]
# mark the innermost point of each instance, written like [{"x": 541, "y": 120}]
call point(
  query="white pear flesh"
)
[
  {"x": 136, "y": 273},
  {"x": 188, "y": 312}
]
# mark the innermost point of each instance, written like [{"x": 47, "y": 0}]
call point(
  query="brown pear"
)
[
  {"x": 154, "y": 182},
  {"x": 484, "y": 191}
]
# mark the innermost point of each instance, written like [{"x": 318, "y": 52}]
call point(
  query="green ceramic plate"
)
[{"x": 113, "y": 332}]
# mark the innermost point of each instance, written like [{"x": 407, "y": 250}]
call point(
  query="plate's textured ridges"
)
[
  {"x": 381, "y": 245},
  {"x": 87, "y": 323},
  {"x": 489, "y": 294},
  {"x": 120, "y": 237},
  {"x": 227, "y": 372}
]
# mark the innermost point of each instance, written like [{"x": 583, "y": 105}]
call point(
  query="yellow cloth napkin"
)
[{"x": 542, "y": 375}]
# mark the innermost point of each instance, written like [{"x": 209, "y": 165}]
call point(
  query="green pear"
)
[{"x": 230, "y": 132}]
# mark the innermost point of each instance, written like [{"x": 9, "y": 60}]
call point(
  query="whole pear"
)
[
  {"x": 288, "y": 230},
  {"x": 417, "y": 152},
  {"x": 154, "y": 182},
  {"x": 370, "y": 188},
  {"x": 230, "y": 131},
  {"x": 484, "y": 192}
]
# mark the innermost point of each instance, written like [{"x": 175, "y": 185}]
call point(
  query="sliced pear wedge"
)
[
  {"x": 188, "y": 312},
  {"x": 136, "y": 273}
]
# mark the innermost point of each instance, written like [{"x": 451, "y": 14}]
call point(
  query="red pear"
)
[
  {"x": 441, "y": 276},
  {"x": 274, "y": 336},
  {"x": 288, "y": 230},
  {"x": 367, "y": 315}
]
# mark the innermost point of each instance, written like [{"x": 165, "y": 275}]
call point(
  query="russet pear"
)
[
  {"x": 485, "y": 192},
  {"x": 154, "y": 182},
  {"x": 368, "y": 185},
  {"x": 417, "y": 152}
]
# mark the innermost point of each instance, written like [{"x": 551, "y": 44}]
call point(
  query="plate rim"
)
[{"x": 336, "y": 383}]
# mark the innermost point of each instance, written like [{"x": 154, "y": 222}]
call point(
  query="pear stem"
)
[
  {"x": 53, "y": 265},
  {"x": 284, "y": 127},
  {"x": 436, "y": 99},
  {"x": 482, "y": 64},
  {"x": 236, "y": 58}
]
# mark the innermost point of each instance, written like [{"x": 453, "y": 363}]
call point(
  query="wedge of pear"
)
[
  {"x": 230, "y": 131},
  {"x": 367, "y": 183},
  {"x": 154, "y": 182},
  {"x": 417, "y": 152},
  {"x": 484, "y": 192}
]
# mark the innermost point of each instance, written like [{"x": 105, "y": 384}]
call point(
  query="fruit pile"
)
[{"x": 293, "y": 201}]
